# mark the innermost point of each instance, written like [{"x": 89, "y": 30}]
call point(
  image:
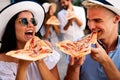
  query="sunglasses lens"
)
[
  {"x": 33, "y": 21},
  {"x": 24, "y": 21}
]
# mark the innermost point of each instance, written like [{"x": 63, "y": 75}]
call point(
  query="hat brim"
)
[
  {"x": 46, "y": 6},
  {"x": 8, "y": 12},
  {"x": 113, "y": 9}
]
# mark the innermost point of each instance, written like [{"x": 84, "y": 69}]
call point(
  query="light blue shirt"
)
[{"x": 92, "y": 70}]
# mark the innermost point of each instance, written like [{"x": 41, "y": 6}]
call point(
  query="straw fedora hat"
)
[{"x": 113, "y": 5}]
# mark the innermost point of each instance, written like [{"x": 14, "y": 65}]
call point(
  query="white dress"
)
[
  {"x": 8, "y": 70},
  {"x": 53, "y": 38}
]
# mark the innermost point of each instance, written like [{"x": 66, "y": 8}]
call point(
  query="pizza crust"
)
[{"x": 24, "y": 55}]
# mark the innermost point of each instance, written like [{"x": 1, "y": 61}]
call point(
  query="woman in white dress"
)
[
  {"x": 18, "y": 25},
  {"x": 50, "y": 31}
]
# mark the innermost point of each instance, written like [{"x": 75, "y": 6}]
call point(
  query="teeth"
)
[
  {"x": 97, "y": 30},
  {"x": 30, "y": 31}
]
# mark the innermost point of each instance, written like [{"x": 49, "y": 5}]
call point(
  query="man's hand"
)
[
  {"x": 99, "y": 54},
  {"x": 73, "y": 70},
  {"x": 70, "y": 15}
]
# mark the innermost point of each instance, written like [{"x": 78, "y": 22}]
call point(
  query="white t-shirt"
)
[
  {"x": 74, "y": 31},
  {"x": 8, "y": 70}
]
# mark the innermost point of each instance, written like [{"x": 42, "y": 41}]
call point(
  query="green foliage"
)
[{"x": 77, "y": 2}]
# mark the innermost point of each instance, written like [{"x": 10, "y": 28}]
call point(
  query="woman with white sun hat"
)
[{"x": 17, "y": 25}]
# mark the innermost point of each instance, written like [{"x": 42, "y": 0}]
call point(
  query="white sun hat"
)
[
  {"x": 4, "y": 3},
  {"x": 8, "y": 12},
  {"x": 46, "y": 6},
  {"x": 113, "y": 5}
]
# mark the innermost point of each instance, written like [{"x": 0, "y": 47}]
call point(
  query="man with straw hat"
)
[{"x": 103, "y": 63}]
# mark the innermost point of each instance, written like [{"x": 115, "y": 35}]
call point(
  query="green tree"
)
[{"x": 77, "y": 2}]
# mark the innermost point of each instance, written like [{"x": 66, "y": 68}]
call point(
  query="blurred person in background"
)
[
  {"x": 72, "y": 20},
  {"x": 50, "y": 30}
]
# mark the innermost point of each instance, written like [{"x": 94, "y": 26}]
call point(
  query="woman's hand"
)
[
  {"x": 24, "y": 63},
  {"x": 48, "y": 43}
]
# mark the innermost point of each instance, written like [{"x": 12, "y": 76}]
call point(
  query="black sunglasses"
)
[{"x": 24, "y": 21}]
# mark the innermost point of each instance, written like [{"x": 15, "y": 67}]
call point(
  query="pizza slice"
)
[
  {"x": 90, "y": 38},
  {"x": 84, "y": 45},
  {"x": 38, "y": 46},
  {"x": 93, "y": 37},
  {"x": 34, "y": 49},
  {"x": 53, "y": 21},
  {"x": 26, "y": 55},
  {"x": 67, "y": 47},
  {"x": 70, "y": 14},
  {"x": 79, "y": 48},
  {"x": 84, "y": 51},
  {"x": 83, "y": 48}
]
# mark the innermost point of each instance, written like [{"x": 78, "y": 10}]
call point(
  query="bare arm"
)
[
  {"x": 57, "y": 29},
  {"x": 68, "y": 24},
  {"x": 22, "y": 70},
  {"x": 79, "y": 23},
  {"x": 73, "y": 70},
  {"x": 73, "y": 17},
  {"x": 72, "y": 73},
  {"x": 47, "y": 31},
  {"x": 52, "y": 74}
]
